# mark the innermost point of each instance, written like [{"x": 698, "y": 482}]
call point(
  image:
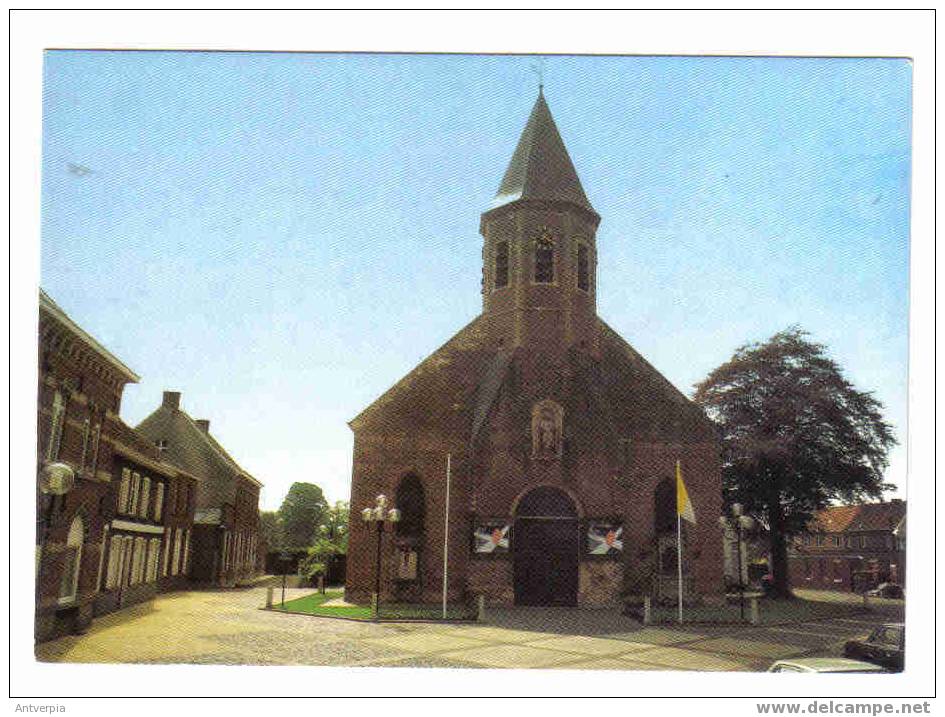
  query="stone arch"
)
[{"x": 513, "y": 510}]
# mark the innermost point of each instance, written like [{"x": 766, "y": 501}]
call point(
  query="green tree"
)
[
  {"x": 271, "y": 528},
  {"x": 795, "y": 434},
  {"x": 301, "y": 513}
]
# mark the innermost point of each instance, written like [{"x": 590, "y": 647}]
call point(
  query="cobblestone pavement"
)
[{"x": 228, "y": 627}]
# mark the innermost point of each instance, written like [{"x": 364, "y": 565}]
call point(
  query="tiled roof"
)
[
  {"x": 863, "y": 517},
  {"x": 196, "y": 452}
]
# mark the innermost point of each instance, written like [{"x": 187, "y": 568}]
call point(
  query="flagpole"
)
[
  {"x": 446, "y": 533},
  {"x": 679, "y": 561},
  {"x": 678, "y": 545}
]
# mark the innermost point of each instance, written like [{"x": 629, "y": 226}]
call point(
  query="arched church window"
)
[
  {"x": 501, "y": 264},
  {"x": 410, "y": 501},
  {"x": 664, "y": 507},
  {"x": 544, "y": 261},
  {"x": 583, "y": 268}
]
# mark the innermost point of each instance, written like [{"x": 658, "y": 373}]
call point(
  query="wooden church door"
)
[{"x": 546, "y": 549}]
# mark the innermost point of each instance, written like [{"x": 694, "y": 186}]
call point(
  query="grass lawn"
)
[
  {"x": 314, "y": 605},
  {"x": 770, "y": 612}
]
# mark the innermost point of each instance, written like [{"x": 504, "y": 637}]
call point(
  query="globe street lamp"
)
[
  {"x": 739, "y": 522},
  {"x": 379, "y": 515}
]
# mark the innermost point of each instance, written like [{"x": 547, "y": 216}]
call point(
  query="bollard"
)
[
  {"x": 269, "y": 596},
  {"x": 755, "y": 614},
  {"x": 647, "y": 616},
  {"x": 374, "y": 605},
  {"x": 481, "y": 608}
]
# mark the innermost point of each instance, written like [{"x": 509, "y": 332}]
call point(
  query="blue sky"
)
[{"x": 282, "y": 236}]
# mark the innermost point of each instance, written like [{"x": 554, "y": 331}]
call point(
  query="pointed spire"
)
[{"x": 541, "y": 167}]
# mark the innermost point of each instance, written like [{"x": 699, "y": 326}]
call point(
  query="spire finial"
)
[{"x": 539, "y": 70}]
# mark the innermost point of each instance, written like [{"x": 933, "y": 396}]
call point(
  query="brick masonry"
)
[{"x": 622, "y": 427}]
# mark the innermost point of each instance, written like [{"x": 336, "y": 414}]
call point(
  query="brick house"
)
[
  {"x": 79, "y": 398},
  {"x": 225, "y": 541},
  {"x": 562, "y": 438},
  {"x": 99, "y": 545},
  {"x": 146, "y": 541},
  {"x": 851, "y": 547}
]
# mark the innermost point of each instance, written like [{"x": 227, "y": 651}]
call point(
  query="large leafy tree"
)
[
  {"x": 271, "y": 528},
  {"x": 796, "y": 436},
  {"x": 301, "y": 513}
]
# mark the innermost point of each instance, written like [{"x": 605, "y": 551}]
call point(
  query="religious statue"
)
[{"x": 546, "y": 430}]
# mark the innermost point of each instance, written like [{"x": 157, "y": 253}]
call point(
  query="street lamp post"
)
[
  {"x": 739, "y": 522},
  {"x": 379, "y": 515}
]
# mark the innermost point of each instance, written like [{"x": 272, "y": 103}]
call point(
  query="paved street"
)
[{"x": 227, "y": 627}]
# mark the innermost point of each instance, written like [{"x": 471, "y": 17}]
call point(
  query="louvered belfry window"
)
[
  {"x": 544, "y": 261},
  {"x": 501, "y": 264},
  {"x": 583, "y": 268}
]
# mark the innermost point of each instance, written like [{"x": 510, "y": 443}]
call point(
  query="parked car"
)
[
  {"x": 886, "y": 590},
  {"x": 886, "y": 646},
  {"x": 824, "y": 664}
]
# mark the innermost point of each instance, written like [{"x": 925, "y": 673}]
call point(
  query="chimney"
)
[
  {"x": 203, "y": 424},
  {"x": 171, "y": 400}
]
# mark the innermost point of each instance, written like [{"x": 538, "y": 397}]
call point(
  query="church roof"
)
[
  {"x": 454, "y": 390},
  {"x": 541, "y": 167}
]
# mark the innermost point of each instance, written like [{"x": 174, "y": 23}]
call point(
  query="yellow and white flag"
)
[{"x": 683, "y": 504}]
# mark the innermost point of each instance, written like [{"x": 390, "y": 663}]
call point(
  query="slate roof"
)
[
  {"x": 541, "y": 167},
  {"x": 195, "y": 452},
  {"x": 856, "y": 518}
]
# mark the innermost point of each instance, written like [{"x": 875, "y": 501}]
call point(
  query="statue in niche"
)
[{"x": 547, "y": 420}]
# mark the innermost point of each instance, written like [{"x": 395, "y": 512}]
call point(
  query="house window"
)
[
  {"x": 55, "y": 427},
  {"x": 167, "y": 553},
  {"x": 86, "y": 434},
  {"x": 115, "y": 555},
  {"x": 127, "y": 556},
  {"x": 96, "y": 439},
  {"x": 186, "y": 559},
  {"x": 137, "y": 561},
  {"x": 158, "y": 501},
  {"x": 124, "y": 490},
  {"x": 144, "y": 503},
  {"x": 862, "y": 541},
  {"x": 544, "y": 261},
  {"x": 583, "y": 268},
  {"x": 501, "y": 264},
  {"x": 175, "y": 562},
  {"x": 836, "y": 541},
  {"x": 69, "y": 585},
  {"x": 820, "y": 540},
  {"x": 135, "y": 492},
  {"x": 154, "y": 550}
]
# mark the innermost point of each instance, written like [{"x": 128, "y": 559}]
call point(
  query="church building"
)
[{"x": 562, "y": 439}]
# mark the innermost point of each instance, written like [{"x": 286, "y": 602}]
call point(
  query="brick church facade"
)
[{"x": 562, "y": 438}]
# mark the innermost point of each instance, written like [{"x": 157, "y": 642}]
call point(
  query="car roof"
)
[{"x": 832, "y": 664}]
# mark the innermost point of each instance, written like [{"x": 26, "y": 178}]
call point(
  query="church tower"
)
[
  {"x": 539, "y": 250},
  {"x": 562, "y": 440}
]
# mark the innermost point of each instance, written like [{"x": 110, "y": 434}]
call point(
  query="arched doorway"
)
[{"x": 546, "y": 548}]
